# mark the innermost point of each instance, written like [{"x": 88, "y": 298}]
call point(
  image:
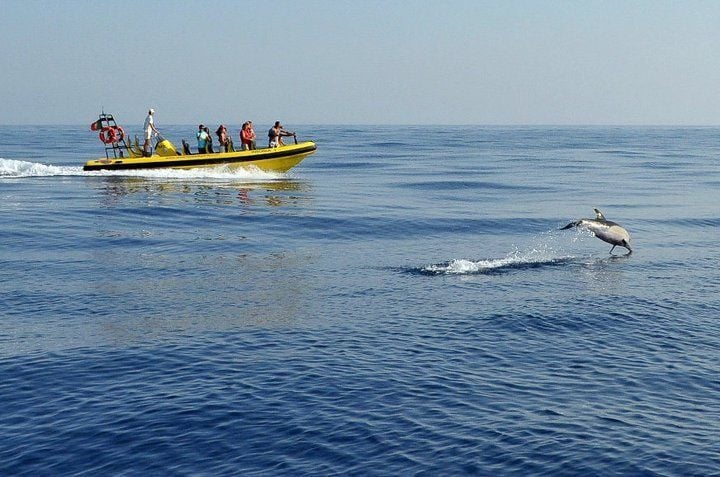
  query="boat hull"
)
[{"x": 279, "y": 159}]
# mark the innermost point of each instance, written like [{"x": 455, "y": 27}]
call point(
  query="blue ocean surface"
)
[{"x": 401, "y": 303}]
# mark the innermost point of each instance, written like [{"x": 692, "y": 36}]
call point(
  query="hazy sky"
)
[{"x": 361, "y": 62}]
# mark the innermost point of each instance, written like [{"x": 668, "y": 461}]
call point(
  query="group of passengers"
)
[
  {"x": 205, "y": 140},
  {"x": 248, "y": 138}
]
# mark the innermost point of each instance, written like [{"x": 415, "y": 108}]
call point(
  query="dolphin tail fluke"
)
[{"x": 570, "y": 225}]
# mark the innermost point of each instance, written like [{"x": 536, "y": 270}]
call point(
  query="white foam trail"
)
[
  {"x": 223, "y": 173},
  {"x": 540, "y": 255},
  {"x": 15, "y": 168}
]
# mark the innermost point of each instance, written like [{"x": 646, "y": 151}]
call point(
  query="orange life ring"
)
[
  {"x": 108, "y": 135},
  {"x": 120, "y": 133}
]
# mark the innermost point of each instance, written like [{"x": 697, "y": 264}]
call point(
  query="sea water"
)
[{"x": 401, "y": 303}]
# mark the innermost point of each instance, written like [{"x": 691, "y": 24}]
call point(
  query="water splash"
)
[
  {"x": 10, "y": 168},
  {"x": 542, "y": 253},
  {"x": 15, "y": 168},
  {"x": 222, "y": 173}
]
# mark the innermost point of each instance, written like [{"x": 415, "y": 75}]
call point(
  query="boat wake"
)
[
  {"x": 14, "y": 168},
  {"x": 10, "y": 168}
]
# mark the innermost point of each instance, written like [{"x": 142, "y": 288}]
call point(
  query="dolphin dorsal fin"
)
[{"x": 599, "y": 215}]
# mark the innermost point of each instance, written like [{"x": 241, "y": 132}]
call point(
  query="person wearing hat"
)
[
  {"x": 149, "y": 129},
  {"x": 202, "y": 138},
  {"x": 276, "y": 133}
]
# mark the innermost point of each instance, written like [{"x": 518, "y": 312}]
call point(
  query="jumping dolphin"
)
[{"x": 605, "y": 230}]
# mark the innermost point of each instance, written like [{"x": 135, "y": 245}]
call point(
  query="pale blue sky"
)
[{"x": 362, "y": 62}]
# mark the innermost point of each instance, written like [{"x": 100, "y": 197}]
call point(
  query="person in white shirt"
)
[{"x": 149, "y": 129}]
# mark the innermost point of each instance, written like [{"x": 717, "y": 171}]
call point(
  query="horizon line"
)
[{"x": 507, "y": 125}]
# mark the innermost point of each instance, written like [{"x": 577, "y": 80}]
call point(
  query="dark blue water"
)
[{"x": 401, "y": 303}]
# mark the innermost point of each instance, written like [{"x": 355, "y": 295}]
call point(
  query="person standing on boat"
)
[
  {"x": 251, "y": 136},
  {"x": 243, "y": 137},
  {"x": 149, "y": 129},
  {"x": 247, "y": 136},
  {"x": 210, "y": 149},
  {"x": 275, "y": 135},
  {"x": 203, "y": 139},
  {"x": 223, "y": 138}
]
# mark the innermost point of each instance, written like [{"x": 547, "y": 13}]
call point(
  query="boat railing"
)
[{"x": 113, "y": 136}]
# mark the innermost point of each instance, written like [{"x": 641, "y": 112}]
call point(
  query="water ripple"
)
[{"x": 394, "y": 307}]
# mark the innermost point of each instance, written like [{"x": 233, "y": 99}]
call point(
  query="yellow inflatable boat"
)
[{"x": 121, "y": 154}]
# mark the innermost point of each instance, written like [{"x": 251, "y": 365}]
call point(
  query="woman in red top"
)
[{"x": 247, "y": 136}]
